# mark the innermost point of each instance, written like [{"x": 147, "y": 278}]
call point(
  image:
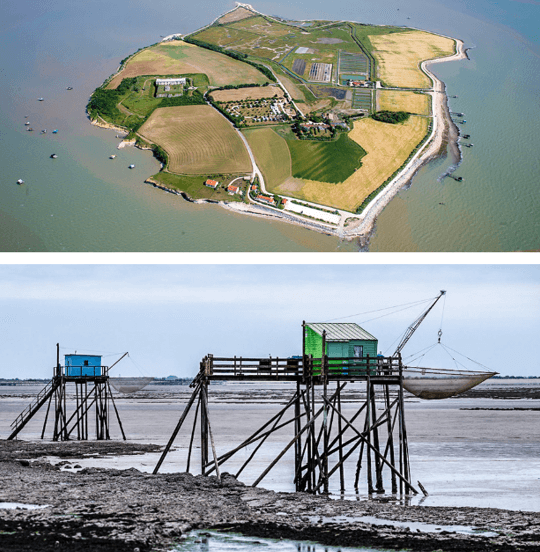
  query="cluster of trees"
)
[
  {"x": 392, "y": 117},
  {"x": 313, "y": 133},
  {"x": 235, "y": 55},
  {"x": 235, "y": 87},
  {"x": 160, "y": 154}
]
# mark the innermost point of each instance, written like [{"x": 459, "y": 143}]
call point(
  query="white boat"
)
[
  {"x": 54, "y": 156},
  {"x": 112, "y": 156},
  {"x": 20, "y": 181},
  {"x": 132, "y": 166},
  {"x": 27, "y": 123},
  {"x": 40, "y": 99}
]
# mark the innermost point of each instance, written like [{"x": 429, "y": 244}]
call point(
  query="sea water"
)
[{"x": 82, "y": 201}]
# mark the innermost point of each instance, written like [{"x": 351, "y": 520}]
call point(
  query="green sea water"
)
[{"x": 82, "y": 201}]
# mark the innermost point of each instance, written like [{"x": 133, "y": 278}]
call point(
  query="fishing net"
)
[
  {"x": 129, "y": 385},
  {"x": 438, "y": 383}
]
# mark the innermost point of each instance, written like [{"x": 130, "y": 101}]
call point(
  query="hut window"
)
[
  {"x": 358, "y": 351},
  {"x": 86, "y": 363}
]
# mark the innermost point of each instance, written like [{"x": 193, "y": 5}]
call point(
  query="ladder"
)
[{"x": 27, "y": 414}]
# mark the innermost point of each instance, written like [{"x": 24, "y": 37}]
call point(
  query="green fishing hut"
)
[{"x": 345, "y": 341}]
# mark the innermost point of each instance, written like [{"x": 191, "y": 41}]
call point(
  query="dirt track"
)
[{"x": 99, "y": 509}]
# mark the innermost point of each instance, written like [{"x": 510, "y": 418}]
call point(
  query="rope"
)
[{"x": 406, "y": 305}]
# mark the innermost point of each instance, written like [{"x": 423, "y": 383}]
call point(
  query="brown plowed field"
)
[
  {"x": 178, "y": 57},
  {"x": 197, "y": 139},
  {"x": 254, "y": 93},
  {"x": 236, "y": 15}
]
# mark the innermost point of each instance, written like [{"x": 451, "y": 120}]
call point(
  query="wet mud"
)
[{"x": 106, "y": 509}]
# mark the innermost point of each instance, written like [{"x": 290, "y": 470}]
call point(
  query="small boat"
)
[
  {"x": 55, "y": 131},
  {"x": 466, "y": 136},
  {"x": 54, "y": 156},
  {"x": 27, "y": 123},
  {"x": 20, "y": 181},
  {"x": 69, "y": 88},
  {"x": 40, "y": 99},
  {"x": 468, "y": 145},
  {"x": 44, "y": 131},
  {"x": 112, "y": 156},
  {"x": 30, "y": 129},
  {"x": 132, "y": 166}
]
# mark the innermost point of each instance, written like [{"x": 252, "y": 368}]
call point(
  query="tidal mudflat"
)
[{"x": 476, "y": 455}]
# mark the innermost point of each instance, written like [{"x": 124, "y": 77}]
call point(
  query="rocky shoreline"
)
[{"x": 106, "y": 509}]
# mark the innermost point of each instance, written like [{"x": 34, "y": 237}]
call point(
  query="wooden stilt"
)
[{"x": 177, "y": 428}]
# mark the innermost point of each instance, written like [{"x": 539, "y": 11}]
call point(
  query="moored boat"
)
[
  {"x": 132, "y": 166},
  {"x": 20, "y": 181}
]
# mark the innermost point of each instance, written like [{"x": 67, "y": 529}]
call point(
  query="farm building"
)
[
  {"x": 211, "y": 184},
  {"x": 342, "y": 340},
  {"x": 171, "y": 82},
  {"x": 266, "y": 199}
]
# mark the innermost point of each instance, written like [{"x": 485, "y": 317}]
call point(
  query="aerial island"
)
[{"x": 318, "y": 123}]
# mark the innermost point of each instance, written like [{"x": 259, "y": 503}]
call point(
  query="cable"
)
[{"x": 407, "y": 305}]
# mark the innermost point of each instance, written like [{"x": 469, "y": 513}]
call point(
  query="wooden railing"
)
[{"x": 295, "y": 368}]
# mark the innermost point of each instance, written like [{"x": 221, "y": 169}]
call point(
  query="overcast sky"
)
[{"x": 169, "y": 316}]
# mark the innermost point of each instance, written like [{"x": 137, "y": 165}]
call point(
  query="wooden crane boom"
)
[{"x": 414, "y": 326}]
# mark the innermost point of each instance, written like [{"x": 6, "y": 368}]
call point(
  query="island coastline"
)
[{"x": 352, "y": 226}]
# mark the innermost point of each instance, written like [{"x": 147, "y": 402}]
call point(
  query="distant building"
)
[
  {"x": 171, "y": 82},
  {"x": 171, "y": 378},
  {"x": 211, "y": 184}
]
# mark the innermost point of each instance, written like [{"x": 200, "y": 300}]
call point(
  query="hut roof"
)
[{"x": 342, "y": 331}]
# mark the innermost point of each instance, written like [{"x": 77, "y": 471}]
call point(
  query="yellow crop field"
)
[
  {"x": 178, "y": 57},
  {"x": 396, "y": 100},
  {"x": 387, "y": 146},
  {"x": 271, "y": 154},
  {"x": 399, "y": 56},
  {"x": 197, "y": 139},
  {"x": 254, "y": 93}
]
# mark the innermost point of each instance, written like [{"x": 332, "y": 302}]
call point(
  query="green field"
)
[
  {"x": 194, "y": 186},
  {"x": 272, "y": 155},
  {"x": 361, "y": 99},
  {"x": 325, "y": 161}
]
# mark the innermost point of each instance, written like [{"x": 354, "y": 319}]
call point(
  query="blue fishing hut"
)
[{"x": 83, "y": 366}]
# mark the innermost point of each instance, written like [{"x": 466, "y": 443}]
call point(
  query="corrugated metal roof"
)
[{"x": 341, "y": 331}]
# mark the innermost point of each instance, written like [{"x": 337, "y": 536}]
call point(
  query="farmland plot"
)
[
  {"x": 197, "y": 139},
  {"x": 176, "y": 57},
  {"x": 399, "y": 56}
]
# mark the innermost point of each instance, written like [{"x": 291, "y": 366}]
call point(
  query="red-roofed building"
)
[
  {"x": 233, "y": 189},
  {"x": 266, "y": 199},
  {"x": 254, "y": 187},
  {"x": 211, "y": 184}
]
